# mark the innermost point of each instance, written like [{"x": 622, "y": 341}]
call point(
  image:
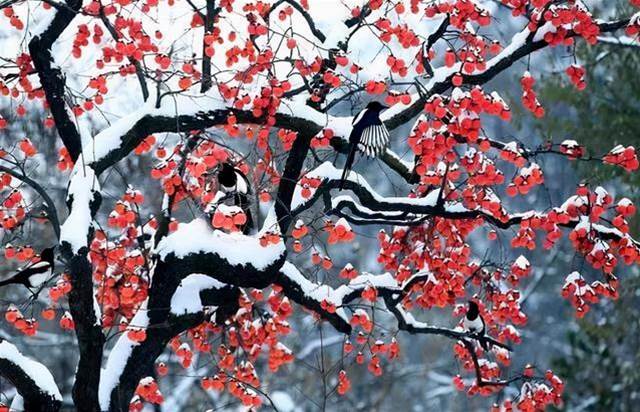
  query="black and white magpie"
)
[
  {"x": 369, "y": 135},
  {"x": 474, "y": 323},
  {"x": 235, "y": 185},
  {"x": 33, "y": 276},
  {"x": 232, "y": 180}
]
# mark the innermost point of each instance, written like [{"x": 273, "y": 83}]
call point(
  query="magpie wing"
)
[
  {"x": 374, "y": 139},
  {"x": 359, "y": 116},
  {"x": 242, "y": 183},
  {"x": 38, "y": 267}
]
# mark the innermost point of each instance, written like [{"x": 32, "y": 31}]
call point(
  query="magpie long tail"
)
[{"x": 347, "y": 165}]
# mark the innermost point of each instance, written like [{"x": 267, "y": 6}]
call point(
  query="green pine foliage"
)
[{"x": 601, "y": 364}]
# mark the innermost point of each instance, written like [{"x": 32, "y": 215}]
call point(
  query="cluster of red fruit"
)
[
  {"x": 119, "y": 271},
  {"x": 406, "y": 37},
  {"x": 325, "y": 261},
  {"x": 322, "y": 139},
  {"x": 15, "y": 318},
  {"x": 482, "y": 172},
  {"x": 287, "y": 137},
  {"x": 394, "y": 97},
  {"x": 64, "y": 159},
  {"x": 270, "y": 237},
  {"x": 348, "y": 272},
  {"x": 230, "y": 218},
  {"x": 309, "y": 186},
  {"x": 339, "y": 232},
  {"x": 375, "y": 87},
  {"x": 344, "y": 384},
  {"x": 529, "y": 97},
  {"x": 624, "y": 157},
  {"x": 576, "y": 74},
  {"x": 27, "y": 147},
  {"x": 14, "y": 19},
  {"x": 571, "y": 149},
  {"x": 633, "y": 29},
  {"x": 462, "y": 12},
  {"x": 149, "y": 391},
  {"x": 58, "y": 291},
  {"x": 526, "y": 179},
  {"x": 572, "y": 15}
]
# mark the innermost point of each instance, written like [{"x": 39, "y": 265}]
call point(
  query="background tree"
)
[
  {"x": 607, "y": 114},
  {"x": 171, "y": 90}
]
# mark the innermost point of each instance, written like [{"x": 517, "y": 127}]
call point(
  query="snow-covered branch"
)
[
  {"x": 51, "y": 77},
  {"x": 176, "y": 303},
  {"x": 234, "y": 259},
  {"x": 32, "y": 380},
  {"x": 522, "y": 44},
  {"x": 373, "y": 208},
  {"x": 331, "y": 303}
]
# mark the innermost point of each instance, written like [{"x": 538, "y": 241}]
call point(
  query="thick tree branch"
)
[
  {"x": 52, "y": 79},
  {"x": 209, "y": 19},
  {"x": 32, "y": 380},
  {"x": 88, "y": 330},
  {"x": 162, "y": 327}
]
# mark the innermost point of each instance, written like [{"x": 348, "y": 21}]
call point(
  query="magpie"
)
[
  {"x": 369, "y": 135},
  {"x": 474, "y": 323},
  {"x": 36, "y": 274},
  {"x": 235, "y": 185}
]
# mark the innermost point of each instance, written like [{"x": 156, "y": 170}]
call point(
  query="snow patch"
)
[
  {"x": 82, "y": 187},
  {"x": 236, "y": 248},
  {"x": 118, "y": 357},
  {"x": 34, "y": 370},
  {"x": 186, "y": 298}
]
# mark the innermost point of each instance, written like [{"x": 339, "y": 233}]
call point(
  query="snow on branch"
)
[
  {"x": 83, "y": 197},
  {"x": 311, "y": 295},
  {"x": 521, "y": 45},
  {"x": 186, "y": 299},
  {"x": 373, "y": 208},
  {"x": 197, "y": 237},
  {"x": 175, "y": 304},
  {"x": 330, "y": 303},
  {"x": 408, "y": 323},
  {"x": 32, "y": 380},
  {"x": 119, "y": 357},
  {"x": 51, "y": 77},
  {"x": 372, "y": 202}
]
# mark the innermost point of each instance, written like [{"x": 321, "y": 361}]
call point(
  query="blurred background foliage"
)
[{"x": 602, "y": 360}]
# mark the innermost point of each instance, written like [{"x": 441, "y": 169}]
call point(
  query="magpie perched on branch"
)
[
  {"x": 369, "y": 135},
  {"x": 474, "y": 323},
  {"x": 34, "y": 275},
  {"x": 235, "y": 185}
]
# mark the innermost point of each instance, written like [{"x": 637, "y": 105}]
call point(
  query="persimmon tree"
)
[{"x": 273, "y": 87}]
